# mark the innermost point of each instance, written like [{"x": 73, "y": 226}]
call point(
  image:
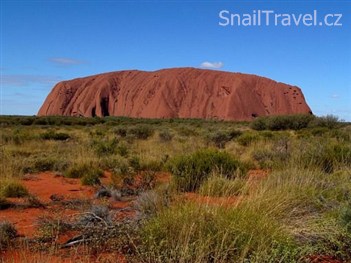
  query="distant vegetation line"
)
[{"x": 280, "y": 122}]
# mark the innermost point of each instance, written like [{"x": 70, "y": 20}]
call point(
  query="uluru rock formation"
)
[{"x": 174, "y": 93}]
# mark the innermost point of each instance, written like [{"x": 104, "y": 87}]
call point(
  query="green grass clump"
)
[
  {"x": 248, "y": 138},
  {"x": 326, "y": 155},
  {"x": 7, "y": 233},
  {"x": 192, "y": 232},
  {"x": 57, "y": 136},
  {"x": 14, "y": 189},
  {"x": 87, "y": 170},
  {"x": 92, "y": 177},
  {"x": 190, "y": 171},
  {"x": 220, "y": 138},
  {"x": 105, "y": 147},
  {"x": 43, "y": 163},
  {"x": 220, "y": 186},
  {"x": 88, "y": 173}
]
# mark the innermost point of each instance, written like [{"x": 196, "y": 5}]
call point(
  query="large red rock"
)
[{"x": 174, "y": 93}]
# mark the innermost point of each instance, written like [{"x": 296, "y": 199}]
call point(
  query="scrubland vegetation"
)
[{"x": 212, "y": 208}]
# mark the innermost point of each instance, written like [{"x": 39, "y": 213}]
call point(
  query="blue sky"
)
[{"x": 43, "y": 42}]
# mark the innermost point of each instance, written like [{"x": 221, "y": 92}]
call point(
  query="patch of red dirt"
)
[
  {"x": 26, "y": 220},
  {"x": 163, "y": 177},
  {"x": 44, "y": 185},
  {"x": 61, "y": 256},
  {"x": 258, "y": 174},
  {"x": 323, "y": 259}
]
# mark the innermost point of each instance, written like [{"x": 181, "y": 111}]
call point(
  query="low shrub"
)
[
  {"x": 191, "y": 170},
  {"x": 142, "y": 131},
  {"x": 259, "y": 124},
  {"x": 220, "y": 138},
  {"x": 114, "y": 163},
  {"x": 283, "y": 122},
  {"x": 88, "y": 173},
  {"x": 152, "y": 202},
  {"x": 7, "y": 233},
  {"x": 92, "y": 177},
  {"x": 345, "y": 217},
  {"x": 186, "y": 131},
  {"x": 97, "y": 215},
  {"x": 275, "y": 156},
  {"x": 329, "y": 121},
  {"x": 50, "y": 228},
  {"x": 121, "y": 131},
  {"x": 36, "y": 164},
  {"x": 52, "y": 135},
  {"x": 14, "y": 189},
  {"x": 325, "y": 155},
  {"x": 165, "y": 136}
]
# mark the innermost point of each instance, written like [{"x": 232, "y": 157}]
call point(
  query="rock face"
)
[{"x": 174, "y": 93}]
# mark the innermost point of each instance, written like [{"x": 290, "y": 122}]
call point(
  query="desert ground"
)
[{"x": 117, "y": 189}]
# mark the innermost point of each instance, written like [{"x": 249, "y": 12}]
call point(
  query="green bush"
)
[
  {"x": 326, "y": 155},
  {"x": 329, "y": 121},
  {"x": 142, "y": 131},
  {"x": 92, "y": 177},
  {"x": 259, "y": 124},
  {"x": 283, "y": 122},
  {"x": 191, "y": 170},
  {"x": 14, "y": 189},
  {"x": 52, "y": 135},
  {"x": 220, "y": 138},
  {"x": 165, "y": 136}
]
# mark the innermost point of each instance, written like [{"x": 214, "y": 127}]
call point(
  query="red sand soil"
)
[
  {"x": 45, "y": 184},
  {"x": 256, "y": 175},
  {"x": 72, "y": 256},
  {"x": 174, "y": 93},
  {"x": 42, "y": 186},
  {"x": 323, "y": 259}
]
